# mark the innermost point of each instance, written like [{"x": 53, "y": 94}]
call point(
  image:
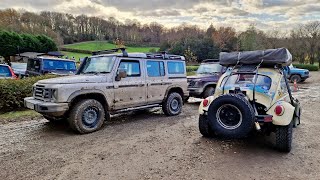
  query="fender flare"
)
[{"x": 88, "y": 91}]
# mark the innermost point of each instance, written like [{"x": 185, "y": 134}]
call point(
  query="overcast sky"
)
[{"x": 266, "y": 14}]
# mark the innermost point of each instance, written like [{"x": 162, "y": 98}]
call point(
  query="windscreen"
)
[
  {"x": 98, "y": 65},
  {"x": 4, "y": 71},
  {"x": 59, "y": 65},
  {"x": 209, "y": 69},
  {"x": 247, "y": 80}
]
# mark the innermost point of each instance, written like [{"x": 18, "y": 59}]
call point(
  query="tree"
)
[
  {"x": 225, "y": 38},
  {"x": 9, "y": 44},
  {"x": 190, "y": 56}
]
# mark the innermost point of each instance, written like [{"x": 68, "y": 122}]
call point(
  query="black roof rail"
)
[
  {"x": 110, "y": 51},
  {"x": 211, "y": 60}
]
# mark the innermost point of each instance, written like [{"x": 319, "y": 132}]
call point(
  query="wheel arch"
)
[
  {"x": 89, "y": 94},
  {"x": 176, "y": 89}
]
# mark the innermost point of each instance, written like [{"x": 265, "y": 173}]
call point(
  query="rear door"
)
[
  {"x": 33, "y": 67},
  {"x": 130, "y": 91},
  {"x": 156, "y": 81}
]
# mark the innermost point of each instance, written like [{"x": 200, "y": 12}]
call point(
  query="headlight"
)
[
  {"x": 197, "y": 83},
  {"x": 54, "y": 94}
]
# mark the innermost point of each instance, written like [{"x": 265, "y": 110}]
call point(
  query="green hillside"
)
[{"x": 103, "y": 45}]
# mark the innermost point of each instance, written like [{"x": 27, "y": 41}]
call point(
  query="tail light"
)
[
  {"x": 279, "y": 110},
  {"x": 205, "y": 102}
]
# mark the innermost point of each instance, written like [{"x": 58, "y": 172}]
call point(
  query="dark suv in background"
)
[
  {"x": 50, "y": 65},
  {"x": 203, "y": 84}
]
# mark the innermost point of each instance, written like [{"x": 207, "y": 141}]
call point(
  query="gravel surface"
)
[{"x": 149, "y": 145}]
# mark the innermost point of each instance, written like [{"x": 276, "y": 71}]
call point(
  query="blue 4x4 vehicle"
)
[
  {"x": 50, "y": 65},
  {"x": 296, "y": 74},
  {"x": 203, "y": 84}
]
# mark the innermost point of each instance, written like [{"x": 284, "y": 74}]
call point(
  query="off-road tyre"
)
[
  {"x": 295, "y": 77},
  {"x": 80, "y": 118},
  {"x": 209, "y": 91},
  {"x": 284, "y": 138},
  {"x": 172, "y": 106},
  {"x": 220, "y": 112},
  {"x": 204, "y": 127}
]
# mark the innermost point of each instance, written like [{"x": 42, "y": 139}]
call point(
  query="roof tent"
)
[{"x": 280, "y": 56}]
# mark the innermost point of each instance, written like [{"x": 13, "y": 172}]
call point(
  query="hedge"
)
[
  {"x": 12, "y": 92},
  {"x": 192, "y": 68},
  {"x": 75, "y": 50},
  {"x": 307, "y": 66}
]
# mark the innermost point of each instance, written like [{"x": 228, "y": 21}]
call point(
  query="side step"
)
[{"x": 136, "y": 108}]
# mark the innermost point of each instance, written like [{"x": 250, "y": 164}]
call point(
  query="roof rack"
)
[
  {"x": 110, "y": 51},
  {"x": 164, "y": 55},
  {"x": 161, "y": 55}
]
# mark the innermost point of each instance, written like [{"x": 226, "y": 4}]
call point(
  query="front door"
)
[{"x": 130, "y": 91}]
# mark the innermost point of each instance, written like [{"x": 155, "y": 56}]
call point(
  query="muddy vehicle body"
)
[
  {"x": 203, "y": 84},
  {"x": 107, "y": 84},
  {"x": 252, "y": 97}
]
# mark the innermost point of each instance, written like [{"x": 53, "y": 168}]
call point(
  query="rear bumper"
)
[{"x": 48, "y": 108}]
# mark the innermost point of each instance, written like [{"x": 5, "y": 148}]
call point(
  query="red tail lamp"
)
[
  {"x": 205, "y": 102},
  {"x": 279, "y": 110}
]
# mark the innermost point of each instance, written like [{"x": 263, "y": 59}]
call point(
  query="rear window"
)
[
  {"x": 176, "y": 68},
  {"x": 247, "y": 80},
  {"x": 33, "y": 65},
  {"x": 58, "y": 65},
  {"x": 4, "y": 71},
  {"x": 155, "y": 68}
]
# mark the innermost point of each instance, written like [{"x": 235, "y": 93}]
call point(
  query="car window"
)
[
  {"x": 155, "y": 68},
  {"x": 58, "y": 65},
  {"x": 5, "y": 71},
  {"x": 247, "y": 80},
  {"x": 283, "y": 86},
  {"x": 176, "y": 68},
  {"x": 131, "y": 67},
  {"x": 33, "y": 65}
]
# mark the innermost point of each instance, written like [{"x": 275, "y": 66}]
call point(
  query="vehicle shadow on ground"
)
[{"x": 254, "y": 143}]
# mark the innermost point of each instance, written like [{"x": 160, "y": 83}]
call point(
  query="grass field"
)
[{"x": 103, "y": 45}]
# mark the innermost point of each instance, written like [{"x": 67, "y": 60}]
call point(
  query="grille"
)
[
  {"x": 41, "y": 93},
  {"x": 192, "y": 83}
]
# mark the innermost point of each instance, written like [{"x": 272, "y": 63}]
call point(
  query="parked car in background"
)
[
  {"x": 110, "y": 84},
  {"x": 6, "y": 72},
  {"x": 50, "y": 65},
  {"x": 203, "y": 84},
  {"x": 19, "y": 69},
  {"x": 296, "y": 74}
]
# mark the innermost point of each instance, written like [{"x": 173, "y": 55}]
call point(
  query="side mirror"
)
[{"x": 121, "y": 74}]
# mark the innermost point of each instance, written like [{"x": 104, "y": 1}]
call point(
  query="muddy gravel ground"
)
[{"x": 149, "y": 145}]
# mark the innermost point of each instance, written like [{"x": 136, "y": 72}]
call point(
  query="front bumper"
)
[
  {"x": 195, "y": 92},
  {"x": 48, "y": 108}
]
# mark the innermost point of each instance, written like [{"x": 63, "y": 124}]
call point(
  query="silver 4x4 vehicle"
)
[{"x": 109, "y": 84}]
